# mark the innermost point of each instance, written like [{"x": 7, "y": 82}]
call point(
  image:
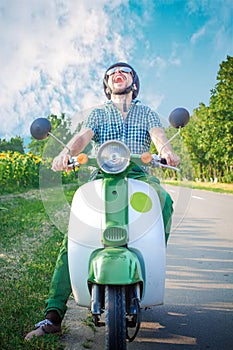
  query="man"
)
[{"x": 122, "y": 118}]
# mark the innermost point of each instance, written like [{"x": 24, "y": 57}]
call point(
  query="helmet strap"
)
[{"x": 124, "y": 106}]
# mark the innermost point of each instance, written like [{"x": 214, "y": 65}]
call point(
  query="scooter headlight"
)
[{"x": 113, "y": 157}]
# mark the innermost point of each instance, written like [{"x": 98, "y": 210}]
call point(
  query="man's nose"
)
[{"x": 118, "y": 70}]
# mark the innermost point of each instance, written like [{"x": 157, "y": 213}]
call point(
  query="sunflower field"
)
[{"x": 18, "y": 171}]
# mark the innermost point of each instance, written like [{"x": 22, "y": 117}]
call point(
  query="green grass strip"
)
[{"x": 29, "y": 247}]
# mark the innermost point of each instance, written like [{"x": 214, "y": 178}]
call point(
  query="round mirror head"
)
[
  {"x": 40, "y": 128},
  {"x": 179, "y": 117}
]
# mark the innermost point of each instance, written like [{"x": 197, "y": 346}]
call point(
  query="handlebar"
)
[
  {"x": 158, "y": 162},
  {"x": 153, "y": 160}
]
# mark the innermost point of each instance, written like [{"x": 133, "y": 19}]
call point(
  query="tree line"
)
[{"x": 209, "y": 134}]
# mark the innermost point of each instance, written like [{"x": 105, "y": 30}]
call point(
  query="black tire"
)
[{"x": 115, "y": 308}]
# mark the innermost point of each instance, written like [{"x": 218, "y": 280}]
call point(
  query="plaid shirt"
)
[{"x": 107, "y": 123}]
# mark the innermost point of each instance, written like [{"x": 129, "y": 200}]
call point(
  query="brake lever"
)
[{"x": 169, "y": 167}]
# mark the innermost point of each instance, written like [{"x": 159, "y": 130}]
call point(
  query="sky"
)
[{"x": 54, "y": 54}]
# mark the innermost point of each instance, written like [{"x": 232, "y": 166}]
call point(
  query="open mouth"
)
[{"x": 119, "y": 79}]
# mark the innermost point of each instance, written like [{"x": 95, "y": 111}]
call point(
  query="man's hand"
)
[
  {"x": 75, "y": 145},
  {"x": 159, "y": 138},
  {"x": 171, "y": 158},
  {"x": 60, "y": 162}
]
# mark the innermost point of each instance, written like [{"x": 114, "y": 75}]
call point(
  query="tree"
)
[
  {"x": 209, "y": 134},
  {"x": 14, "y": 145},
  {"x": 221, "y": 105},
  {"x": 196, "y": 138}
]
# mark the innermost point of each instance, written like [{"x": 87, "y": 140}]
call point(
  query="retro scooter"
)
[{"x": 116, "y": 240}]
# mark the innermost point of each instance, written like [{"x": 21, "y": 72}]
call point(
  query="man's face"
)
[{"x": 119, "y": 80}]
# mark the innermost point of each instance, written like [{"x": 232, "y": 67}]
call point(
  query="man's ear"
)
[{"x": 134, "y": 87}]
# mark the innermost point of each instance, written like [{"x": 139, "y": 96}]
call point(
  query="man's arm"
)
[
  {"x": 159, "y": 138},
  {"x": 75, "y": 145}
]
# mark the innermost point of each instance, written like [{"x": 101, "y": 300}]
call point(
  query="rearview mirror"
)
[
  {"x": 40, "y": 128},
  {"x": 179, "y": 117}
]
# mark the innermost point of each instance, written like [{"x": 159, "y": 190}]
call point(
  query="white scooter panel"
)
[{"x": 146, "y": 235}]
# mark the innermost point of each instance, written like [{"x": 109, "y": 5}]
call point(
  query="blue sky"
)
[{"x": 54, "y": 53}]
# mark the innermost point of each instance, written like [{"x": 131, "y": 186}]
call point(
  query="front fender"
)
[{"x": 114, "y": 266}]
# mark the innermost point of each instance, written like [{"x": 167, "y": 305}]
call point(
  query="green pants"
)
[{"x": 60, "y": 288}]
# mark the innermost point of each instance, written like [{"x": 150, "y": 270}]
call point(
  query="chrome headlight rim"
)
[{"x": 112, "y": 162}]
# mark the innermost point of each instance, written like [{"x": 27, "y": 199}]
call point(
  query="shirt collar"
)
[{"x": 134, "y": 102}]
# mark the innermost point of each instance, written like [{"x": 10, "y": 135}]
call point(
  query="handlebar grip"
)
[
  {"x": 163, "y": 161},
  {"x": 71, "y": 163}
]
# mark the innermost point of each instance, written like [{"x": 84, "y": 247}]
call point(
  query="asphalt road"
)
[{"x": 198, "y": 310}]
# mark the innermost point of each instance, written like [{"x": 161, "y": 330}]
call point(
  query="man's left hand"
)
[{"x": 171, "y": 158}]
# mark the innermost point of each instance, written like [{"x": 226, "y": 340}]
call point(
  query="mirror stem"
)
[
  {"x": 177, "y": 133},
  {"x": 55, "y": 138}
]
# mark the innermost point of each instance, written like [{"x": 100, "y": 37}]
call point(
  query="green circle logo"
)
[{"x": 141, "y": 202}]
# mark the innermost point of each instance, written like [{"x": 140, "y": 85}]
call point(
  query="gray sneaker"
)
[{"x": 44, "y": 327}]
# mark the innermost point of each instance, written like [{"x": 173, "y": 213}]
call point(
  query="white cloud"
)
[
  {"x": 152, "y": 99},
  {"x": 174, "y": 59},
  {"x": 217, "y": 28},
  {"x": 160, "y": 63},
  {"x": 199, "y": 34},
  {"x": 53, "y": 56}
]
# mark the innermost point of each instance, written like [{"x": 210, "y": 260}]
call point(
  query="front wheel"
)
[{"x": 115, "y": 307}]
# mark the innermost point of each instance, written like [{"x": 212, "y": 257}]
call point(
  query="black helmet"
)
[{"x": 128, "y": 89}]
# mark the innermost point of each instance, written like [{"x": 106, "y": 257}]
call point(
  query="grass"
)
[
  {"x": 89, "y": 322},
  {"x": 87, "y": 344},
  {"x": 208, "y": 186},
  {"x": 29, "y": 247}
]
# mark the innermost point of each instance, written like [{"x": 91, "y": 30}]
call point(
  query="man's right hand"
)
[{"x": 60, "y": 162}]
